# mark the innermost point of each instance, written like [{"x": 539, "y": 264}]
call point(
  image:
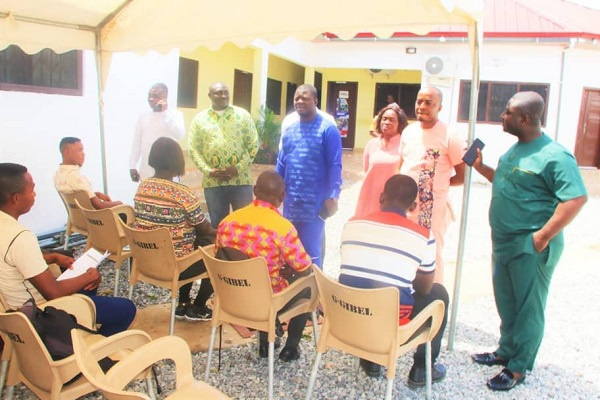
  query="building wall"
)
[
  {"x": 366, "y": 93},
  {"x": 284, "y": 71},
  {"x": 31, "y": 126}
]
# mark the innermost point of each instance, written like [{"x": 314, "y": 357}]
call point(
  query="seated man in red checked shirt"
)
[{"x": 259, "y": 230}]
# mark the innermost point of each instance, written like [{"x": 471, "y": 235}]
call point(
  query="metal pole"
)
[
  {"x": 101, "y": 110},
  {"x": 467, "y": 187}
]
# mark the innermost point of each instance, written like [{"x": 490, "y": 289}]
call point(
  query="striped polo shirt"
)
[{"x": 386, "y": 249}]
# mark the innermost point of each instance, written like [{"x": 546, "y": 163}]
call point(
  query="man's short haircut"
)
[
  {"x": 310, "y": 88},
  {"x": 11, "y": 180},
  {"x": 64, "y": 142},
  {"x": 436, "y": 90},
  {"x": 401, "y": 188},
  {"x": 161, "y": 87},
  {"x": 166, "y": 155}
]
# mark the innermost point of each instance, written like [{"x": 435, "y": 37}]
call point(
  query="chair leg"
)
[
  {"x": 172, "y": 320},
  {"x": 66, "y": 246},
  {"x": 130, "y": 294},
  {"x": 3, "y": 372},
  {"x": 150, "y": 388},
  {"x": 213, "y": 333},
  {"x": 428, "y": 370},
  {"x": 388, "y": 389},
  {"x": 313, "y": 376},
  {"x": 315, "y": 319},
  {"x": 117, "y": 273},
  {"x": 271, "y": 362},
  {"x": 10, "y": 391}
]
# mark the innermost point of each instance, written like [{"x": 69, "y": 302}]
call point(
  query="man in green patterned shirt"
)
[{"x": 223, "y": 143}]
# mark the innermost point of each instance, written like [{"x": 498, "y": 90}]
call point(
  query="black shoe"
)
[
  {"x": 198, "y": 314},
  {"x": 488, "y": 359},
  {"x": 416, "y": 376},
  {"x": 505, "y": 380},
  {"x": 371, "y": 369},
  {"x": 263, "y": 349},
  {"x": 289, "y": 354},
  {"x": 180, "y": 310}
]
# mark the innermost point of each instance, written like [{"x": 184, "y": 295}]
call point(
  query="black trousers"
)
[
  {"x": 437, "y": 292},
  {"x": 206, "y": 288}
]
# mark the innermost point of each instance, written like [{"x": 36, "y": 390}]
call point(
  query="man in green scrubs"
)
[{"x": 537, "y": 190}]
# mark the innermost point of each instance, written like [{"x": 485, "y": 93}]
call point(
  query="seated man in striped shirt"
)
[{"x": 385, "y": 248}]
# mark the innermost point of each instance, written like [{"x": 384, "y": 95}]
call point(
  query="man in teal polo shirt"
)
[{"x": 537, "y": 191}]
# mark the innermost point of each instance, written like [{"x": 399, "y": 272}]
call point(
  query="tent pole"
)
[
  {"x": 101, "y": 109},
  {"x": 475, "y": 33}
]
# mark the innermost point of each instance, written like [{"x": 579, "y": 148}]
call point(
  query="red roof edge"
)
[{"x": 506, "y": 35}]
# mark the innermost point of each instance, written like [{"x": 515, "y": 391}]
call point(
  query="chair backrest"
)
[
  {"x": 242, "y": 288},
  {"x": 33, "y": 358},
  {"x": 104, "y": 231},
  {"x": 153, "y": 253},
  {"x": 353, "y": 314},
  {"x": 77, "y": 221}
]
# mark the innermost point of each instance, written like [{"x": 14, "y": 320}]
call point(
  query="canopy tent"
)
[{"x": 110, "y": 26}]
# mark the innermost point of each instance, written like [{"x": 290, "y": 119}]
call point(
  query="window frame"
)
[
  {"x": 78, "y": 91},
  {"x": 467, "y": 92}
]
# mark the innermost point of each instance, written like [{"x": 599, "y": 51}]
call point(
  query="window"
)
[
  {"x": 289, "y": 98},
  {"x": 274, "y": 95},
  {"x": 187, "y": 86},
  {"x": 404, "y": 94},
  {"x": 44, "y": 72},
  {"x": 493, "y": 97}
]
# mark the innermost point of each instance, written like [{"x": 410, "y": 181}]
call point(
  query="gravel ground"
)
[{"x": 568, "y": 361}]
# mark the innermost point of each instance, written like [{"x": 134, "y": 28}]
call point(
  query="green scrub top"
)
[{"x": 530, "y": 181}]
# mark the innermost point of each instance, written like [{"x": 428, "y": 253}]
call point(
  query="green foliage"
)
[{"x": 269, "y": 133}]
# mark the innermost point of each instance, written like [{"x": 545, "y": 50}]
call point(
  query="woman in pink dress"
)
[{"x": 381, "y": 158}]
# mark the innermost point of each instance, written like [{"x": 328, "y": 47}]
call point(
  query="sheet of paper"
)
[{"x": 90, "y": 259}]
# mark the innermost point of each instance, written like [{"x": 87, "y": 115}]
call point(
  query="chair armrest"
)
[
  {"x": 167, "y": 347},
  {"x": 281, "y": 298},
  {"x": 184, "y": 262},
  {"x": 435, "y": 311},
  {"x": 124, "y": 209},
  {"x": 126, "y": 340},
  {"x": 81, "y": 306}
]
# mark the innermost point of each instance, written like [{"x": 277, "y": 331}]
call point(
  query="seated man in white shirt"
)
[
  {"x": 69, "y": 179},
  {"x": 24, "y": 272}
]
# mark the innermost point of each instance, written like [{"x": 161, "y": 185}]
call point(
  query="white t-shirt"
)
[
  {"x": 149, "y": 127},
  {"x": 20, "y": 259},
  {"x": 68, "y": 179}
]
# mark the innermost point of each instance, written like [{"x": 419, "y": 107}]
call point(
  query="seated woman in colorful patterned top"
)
[{"x": 160, "y": 202}]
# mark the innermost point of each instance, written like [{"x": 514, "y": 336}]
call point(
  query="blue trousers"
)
[
  {"x": 220, "y": 198},
  {"x": 114, "y": 313},
  {"x": 311, "y": 236}
]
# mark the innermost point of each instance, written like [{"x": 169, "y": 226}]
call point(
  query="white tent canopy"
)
[
  {"x": 109, "y": 26},
  {"x": 142, "y": 25}
]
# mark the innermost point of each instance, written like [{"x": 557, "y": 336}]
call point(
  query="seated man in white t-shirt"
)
[
  {"x": 24, "y": 272},
  {"x": 69, "y": 179}
]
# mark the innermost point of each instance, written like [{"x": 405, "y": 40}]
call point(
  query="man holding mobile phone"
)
[{"x": 151, "y": 125}]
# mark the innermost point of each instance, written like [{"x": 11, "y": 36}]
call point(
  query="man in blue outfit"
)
[
  {"x": 537, "y": 190},
  {"x": 310, "y": 162}
]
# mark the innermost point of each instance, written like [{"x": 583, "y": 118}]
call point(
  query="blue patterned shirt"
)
[{"x": 310, "y": 162}]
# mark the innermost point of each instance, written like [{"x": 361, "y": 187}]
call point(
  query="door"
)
[
  {"x": 587, "y": 145},
  {"x": 341, "y": 103},
  {"x": 242, "y": 89}
]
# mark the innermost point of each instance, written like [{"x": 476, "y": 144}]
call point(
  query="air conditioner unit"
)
[
  {"x": 442, "y": 66},
  {"x": 379, "y": 71}
]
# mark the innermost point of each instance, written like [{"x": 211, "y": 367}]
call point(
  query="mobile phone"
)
[{"x": 471, "y": 154}]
